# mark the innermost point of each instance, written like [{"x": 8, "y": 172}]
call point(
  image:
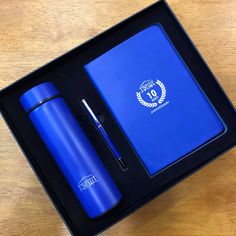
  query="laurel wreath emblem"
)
[{"x": 154, "y": 104}]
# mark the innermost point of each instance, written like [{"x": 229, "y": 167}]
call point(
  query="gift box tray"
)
[{"x": 73, "y": 83}]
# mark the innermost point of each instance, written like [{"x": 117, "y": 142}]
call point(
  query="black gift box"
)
[{"x": 67, "y": 72}]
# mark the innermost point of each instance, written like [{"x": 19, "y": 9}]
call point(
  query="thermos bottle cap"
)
[{"x": 38, "y": 95}]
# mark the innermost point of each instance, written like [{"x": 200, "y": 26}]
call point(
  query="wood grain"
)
[{"x": 32, "y": 32}]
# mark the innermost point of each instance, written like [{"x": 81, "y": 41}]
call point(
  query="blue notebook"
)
[{"x": 154, "y": 98}]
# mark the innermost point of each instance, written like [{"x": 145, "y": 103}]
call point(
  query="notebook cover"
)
[{"x": 154, "y": 98}]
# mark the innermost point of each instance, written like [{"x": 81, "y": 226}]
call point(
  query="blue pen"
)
[{"x": 103, "y": 133}]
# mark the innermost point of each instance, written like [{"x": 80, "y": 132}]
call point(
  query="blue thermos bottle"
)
[{"x": 71, "y": 149}]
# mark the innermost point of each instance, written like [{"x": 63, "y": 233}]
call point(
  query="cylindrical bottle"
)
[{"x": 71, "y": 149}]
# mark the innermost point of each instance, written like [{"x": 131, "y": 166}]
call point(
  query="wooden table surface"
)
[{"x": 32, "y": 32}]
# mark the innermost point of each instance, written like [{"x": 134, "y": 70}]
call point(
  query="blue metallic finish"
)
[
  {"x": 37, "y": 95},
  {"x": 104, "y": 134},
  {"x": 109, "y": 142},
  {"x": 72, "y": 151}
]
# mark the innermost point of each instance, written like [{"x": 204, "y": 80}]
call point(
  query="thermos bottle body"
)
[{"x": 71, "y": 149}]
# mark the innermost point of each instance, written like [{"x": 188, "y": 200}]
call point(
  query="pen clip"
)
[{"x": 91, "y": 113}]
